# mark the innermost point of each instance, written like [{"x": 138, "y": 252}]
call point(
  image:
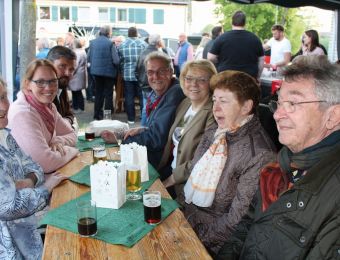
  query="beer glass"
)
[
  {"x": 99, "y": 153},
  {"x": 152, "y": 207},
  {"x": 119, "y": 134},
  {"x": 89, "y": 134},
  {"x": 107, "y": 114},
  {"x": 133, "y": 182},
  {"x": 87, "y": 218}
]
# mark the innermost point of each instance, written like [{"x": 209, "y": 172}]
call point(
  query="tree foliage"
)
[{"x": 261, "y": 17}]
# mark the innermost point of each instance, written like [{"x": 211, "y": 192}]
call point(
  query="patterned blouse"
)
[{"x": 19, "y": 238}]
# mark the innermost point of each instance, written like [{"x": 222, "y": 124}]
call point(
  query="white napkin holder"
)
[
  {"x": 133, "y": 153},
  {"x": 111, "y": 125},
  {"x": 108, "y": 184}
]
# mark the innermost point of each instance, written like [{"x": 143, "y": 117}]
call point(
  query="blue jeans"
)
[{"x": 132, "y": 90}]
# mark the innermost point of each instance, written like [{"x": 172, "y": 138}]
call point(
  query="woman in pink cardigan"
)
[{"x": 35, "y": 122}]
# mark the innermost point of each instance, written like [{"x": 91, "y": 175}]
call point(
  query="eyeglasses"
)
[
  {"x": 44, "y": 83},
  {"x": 199, "y": 81},
  {"x": 160, "y": 72},
  {"x": 289, "y": 106}
]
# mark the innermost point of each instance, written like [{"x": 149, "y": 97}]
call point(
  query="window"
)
[
  {"x": 44, "y": 13},
  {"x": 83, "y": 13},
  {"x": 122, "y": 15},
  {"x": 137, "y": 15},
  {"x": 103, "y": 14},
  {"x": 64, "y": 13},
  {"x": 158, "y": 16}
]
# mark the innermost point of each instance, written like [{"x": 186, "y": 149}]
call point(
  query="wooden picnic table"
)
[{"x": 172, "y": 239}]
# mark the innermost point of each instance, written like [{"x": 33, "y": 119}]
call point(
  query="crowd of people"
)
[{"x": 201, "y": 127}]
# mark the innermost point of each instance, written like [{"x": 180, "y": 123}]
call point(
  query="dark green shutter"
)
[
  {"x": 74, "y": 13},
  {"x": 158, "y": 16},
  {"x": 131, "y": 15},
  {"x": 140, "y": 15},
  {"x": 54, "y": 13},
  {"x": 112, "y": 14}
]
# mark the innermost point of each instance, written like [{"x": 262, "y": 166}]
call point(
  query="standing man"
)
[
  {"x": 281, "y": 50},
  {"x": 161, "y": 107},
  {"x": 296, "y": 211},
  {"x": 129, "y": 51},
  {"x": 104, "y": 61},
  {"x": 184, "y": 53},
  {"x": 238, "y": 49},
  {"x": 65, "y": 61},
  {"x": 215, "y": 32},
  {"x": 155, "y": 44}
]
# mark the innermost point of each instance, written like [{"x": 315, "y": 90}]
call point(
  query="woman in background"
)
[
  {"x": 35, "y": 122},
  {"x": 23, "y": 192},
  {"x": 200, "y": 48},
  {"x": 311, "y": 45}
]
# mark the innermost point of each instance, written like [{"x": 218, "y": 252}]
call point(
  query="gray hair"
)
[
  {"x": 43, "y": 43},
  {"x": 326, "y": 76},
  {"x": 158, "y": 55},
  {"x": 154, "y": 39},
  {"x": 105, "y": 30}
]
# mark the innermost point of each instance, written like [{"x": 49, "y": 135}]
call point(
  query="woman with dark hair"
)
[
  {"x": 226, "y": 166},
  {"x": 311, "y": 45}
]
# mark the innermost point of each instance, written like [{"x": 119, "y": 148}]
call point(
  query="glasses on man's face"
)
[
  {"x": 160, "y": 72},
  {"x": 289, "y": 106},
  {"x": 199, "y": 81},
  {"x": 41, "y": 83}
]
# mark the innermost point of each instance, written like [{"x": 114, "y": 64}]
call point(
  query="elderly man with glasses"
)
[
  {"x": 296, "y": 213},
  {"x": 161, "y": 106}
]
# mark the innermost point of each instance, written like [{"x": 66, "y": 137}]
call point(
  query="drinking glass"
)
[
  {"x": 87, "y": 218},
  {"x": 107, "y": 114},
  {"x": 89, "y": 134},
  {"x": 99, "y": 153},
  {"x": 133, "y": 182},
  {"x": 119, "y": 134},
  {"x": 152, "y": 207}
]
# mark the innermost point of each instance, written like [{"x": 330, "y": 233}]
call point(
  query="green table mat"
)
[
  {"x": 84, "y": 145},
  {"x": 83, "y": 177},
  {"x": 124, "y": 226}
]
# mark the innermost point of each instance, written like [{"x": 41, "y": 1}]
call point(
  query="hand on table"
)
[
  {"x": 134, "y": 131},
  {"x": 53, "y": 179},
  {"x": 170, "y": 181},
  {"x": 58, "y": 147},
  {"x": 108, "y": 137}
]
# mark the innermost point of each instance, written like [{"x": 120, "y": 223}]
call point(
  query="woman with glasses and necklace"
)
[
  {"x": 193, "y": 117},
  {"x": 225, "y": 169},
  {"x": 35, "y": 122}
]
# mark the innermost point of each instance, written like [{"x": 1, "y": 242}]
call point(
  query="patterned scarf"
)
[
  {"x": 201, "y": 186},
  {"x": 45, "y": 112},
  {"x": 276, "y": 178},
  {"x": 152, "y": 103}
]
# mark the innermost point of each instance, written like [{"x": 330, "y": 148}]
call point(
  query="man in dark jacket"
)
[
  {"x": 104, "y": 60},
  {"x": 296, "y": 213},
  {"x": 65, "y": 61},
  {"x": 161, "y": 107}
]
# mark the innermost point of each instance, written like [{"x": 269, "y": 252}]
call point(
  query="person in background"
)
[
  {"x": 238, "y": 49},
  {"x": 311, "y": 45},
  {"x": 184, "y": 53},
  {"x": 200, "y": 48},
  {"x": 225, "y": 169},
  {"x": 65, "y": 62},
  {"x": 24, "y": 190},
  {"x": 35, "y": 122},
  {"x": 79, "y": 79},
  {"x": 129, "y": 51},
  {"x": 104, "y": 65},
  {"x": 69, "y": 40},
  {"x": 60, "y": 41},
  {"x": 161, "y": 107},
  {"x": 281, "y": 50},
  {"x": 296, "y": 214},
  {"x": 43, "y": 46},
  {"x": 193, "y": 117},
  {"x": 155, "y": 44},
  {"x": 215, "y": 32}
]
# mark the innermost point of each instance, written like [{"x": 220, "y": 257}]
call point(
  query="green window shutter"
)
[
  {"x": 112, "y": 14},
  {"x": 74, "y": 13},
  {"x": 140, "y": 16},
  {"x": 54, "y": 13},
  {"x": 131, "y": 15},
  {"x": 158, "y": 16}
]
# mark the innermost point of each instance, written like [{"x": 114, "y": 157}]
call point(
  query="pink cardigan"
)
[{"x": 31, "y": 134}]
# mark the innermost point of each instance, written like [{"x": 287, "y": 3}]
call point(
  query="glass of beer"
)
[
  {"x": 87, "y": 218},
  {"x": 107, "y": 114},
  {"x": 133, "y": 182},
  {"x": 89, "y": 134},
  {"x": 99, "y": 153},
  {"x": 152, "y": 207},
  {"x": 119, "y": 134}
]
